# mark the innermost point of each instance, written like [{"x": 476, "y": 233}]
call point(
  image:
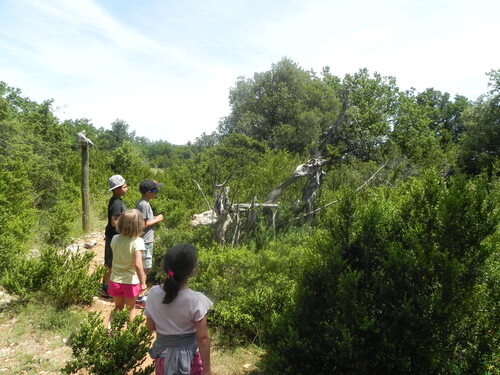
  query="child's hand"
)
[
  {"x": 159, "y": 218},
  {"x": 143, "y": 287}
]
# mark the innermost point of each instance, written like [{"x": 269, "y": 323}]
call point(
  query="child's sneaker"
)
[
  {"x": 141, "y": 302},
  {"x": 104, "y": 292}
]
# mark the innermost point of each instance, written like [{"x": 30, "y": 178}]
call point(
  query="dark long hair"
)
[{"x": 178, "y": 263}]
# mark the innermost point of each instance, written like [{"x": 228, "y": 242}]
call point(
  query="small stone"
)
[{"x": 90, "y": 244}]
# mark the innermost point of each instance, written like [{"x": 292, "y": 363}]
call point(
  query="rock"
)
[
  {"x": 90, "y": 244},
  {"x": 205, "y": 218},
  {"x": 74, "y": 247}
]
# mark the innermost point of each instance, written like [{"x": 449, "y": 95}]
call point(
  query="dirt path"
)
[{"x": 103, "y": 305}]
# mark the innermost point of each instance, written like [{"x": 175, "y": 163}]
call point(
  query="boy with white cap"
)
[{"x": 118, "y": 186}]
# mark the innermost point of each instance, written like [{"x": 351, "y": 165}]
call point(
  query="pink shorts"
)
[
  {"x": 125, "y": 290},
  {"x": 196, "y": 365}
]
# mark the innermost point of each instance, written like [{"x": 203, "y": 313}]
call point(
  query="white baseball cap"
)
[{"x": 116, "y": 181}]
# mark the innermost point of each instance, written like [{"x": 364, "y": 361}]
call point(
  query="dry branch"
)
[{"x": 338, "y": 200}]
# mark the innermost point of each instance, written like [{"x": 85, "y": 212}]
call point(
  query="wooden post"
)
[
  {"x": 85, "y": 188},
  {"x": 85, "y": 144}
]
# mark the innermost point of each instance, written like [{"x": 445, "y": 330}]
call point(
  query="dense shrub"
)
[
  {"x": 116, "y": 351},
  {"x": 61, "y": 277},
  {"x": 16, "y": 217},
  {"x": 59, "y": 222},
  {"x": 398, "y": 286},
  {"x": 250, "y": 287}
]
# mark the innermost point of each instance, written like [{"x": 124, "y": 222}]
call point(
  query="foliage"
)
[
  {"x": 286, "y": 107},
  {"x": 116, "y": 351},
  {"x": 59, "y": 222},
  {"x": 372, "y": 106},
  {"x": 398, "y": 285},
  {"x": 412, "y": 133},
  {"x": 405, "y": 274},
  {"x": 250, "y": 287},
  {"x": 61, "y": 277},
  {"x": 16, "y": 217},
  {"x": 480, "y": 144},
  {"x": 446, "y": 116}
]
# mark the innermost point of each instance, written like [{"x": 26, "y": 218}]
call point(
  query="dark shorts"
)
[{"x": 108, "y": 253}]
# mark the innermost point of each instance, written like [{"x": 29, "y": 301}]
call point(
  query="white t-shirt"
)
[
  {"x": 179, "y": 316},
  {"x": 123, "y": 268}
]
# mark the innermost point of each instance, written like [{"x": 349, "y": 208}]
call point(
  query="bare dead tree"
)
[
  {"x": 313, "y": 168},
  {"x": 225, "y": 214}
]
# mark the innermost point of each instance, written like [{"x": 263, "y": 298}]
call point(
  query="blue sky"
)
[{"x": 166, "y": 67}]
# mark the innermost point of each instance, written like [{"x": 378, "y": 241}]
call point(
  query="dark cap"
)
[{"x": 148, "y": 185}]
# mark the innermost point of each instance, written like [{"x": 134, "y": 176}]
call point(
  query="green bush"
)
[
  {"x": 250, "y": 287},
  {"x": 59, "y": 220},
  {"x": 61, "y": 277},
  {"x": 398, "y": 286},
  {"x": 17, "y": 216},
  {"x": 116, "y": 351}
]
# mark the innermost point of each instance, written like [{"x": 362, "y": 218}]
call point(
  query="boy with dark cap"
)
[
  {"x": 149, "y": 190},
  {"x": 118, "y": 186}
]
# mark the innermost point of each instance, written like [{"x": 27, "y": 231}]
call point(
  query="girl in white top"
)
[
  {"x": 178, "y": 315},
  {"x": 127, "y": 275}
]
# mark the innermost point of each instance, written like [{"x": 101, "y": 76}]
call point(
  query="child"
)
[
  {"x": 127, "y": 276},
  {"x": 149, "y": 190},
  {"x": 118, "y": 186},
  {"x": 178, "y": 315}
]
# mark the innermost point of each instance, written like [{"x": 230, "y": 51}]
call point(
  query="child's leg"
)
[
  {"x": 130, "y": 302},
  {"x": 108, "y": 260},
  {"x": 147, "y": 257},
  {"x": 119, "y": 304}
]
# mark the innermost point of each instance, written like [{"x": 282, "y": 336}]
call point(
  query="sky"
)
[{"x": 166, "y": 67}]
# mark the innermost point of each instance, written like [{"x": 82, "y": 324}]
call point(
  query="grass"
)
[
  {"x": 97, "y": 220},
  {"x": 236, "y": 360},
  {"x": 32, "y": 341},
  {"x": 32, "y": 337}
]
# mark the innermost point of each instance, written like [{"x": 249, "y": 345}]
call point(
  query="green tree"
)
[
  {"x": 117, "y": 135},
  {"x": 446, "y": 116},
  {"x": 412, "y": 133},
  {"x": 285, "y": 107},
  {"x": 480, "y": 144},
  {"x": 372, "y": 107}
]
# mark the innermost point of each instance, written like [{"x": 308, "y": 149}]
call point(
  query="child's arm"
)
[
  {"x": 153, "y": 221},
  {"x": 114, "y": 220},
  {"x": 150, "y": 323},
  {"x": 203, "y": 344},
  {"x": 139, "y": 270}
]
